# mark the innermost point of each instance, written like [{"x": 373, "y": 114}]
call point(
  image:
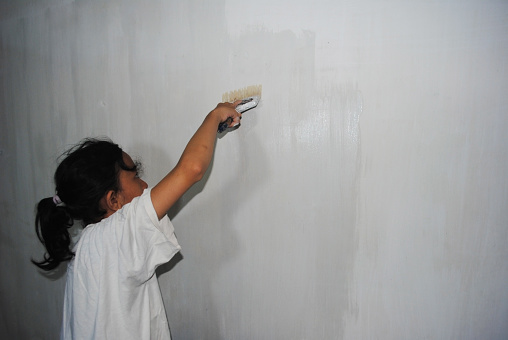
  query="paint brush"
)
[{"x": 250, "y": 96}]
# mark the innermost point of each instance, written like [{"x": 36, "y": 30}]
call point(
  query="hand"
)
[{"x": 226, "y": 112}]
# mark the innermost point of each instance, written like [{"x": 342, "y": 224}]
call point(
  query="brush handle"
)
[{"x": 224, "y": 125}]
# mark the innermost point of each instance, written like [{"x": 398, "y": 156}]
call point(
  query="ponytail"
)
[{"x": 51, "y": 224}]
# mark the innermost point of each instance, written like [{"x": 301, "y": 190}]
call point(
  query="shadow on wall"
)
[
  {"x": 180, "y": 204},
  {"x": 212, "y": 250}
]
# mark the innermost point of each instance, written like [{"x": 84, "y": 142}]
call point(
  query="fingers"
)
[
  {"x": 233, "y": 113},
  {"x": 236, "y": 120},
  {"x": 226, "y": 113}
]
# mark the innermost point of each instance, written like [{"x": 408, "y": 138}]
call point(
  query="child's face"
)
[{"x": 131, "y": 185}]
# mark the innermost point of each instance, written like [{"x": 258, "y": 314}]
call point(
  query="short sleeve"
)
[{"x": 144, "y": 242}]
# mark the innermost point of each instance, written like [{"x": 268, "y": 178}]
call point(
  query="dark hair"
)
[{"x": 89, "y": 170}]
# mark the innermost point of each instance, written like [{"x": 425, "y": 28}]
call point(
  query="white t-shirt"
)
[{"x": 112, "y": 291}]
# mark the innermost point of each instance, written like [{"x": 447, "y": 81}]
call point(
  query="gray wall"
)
[{"x": 365, "y": 198}]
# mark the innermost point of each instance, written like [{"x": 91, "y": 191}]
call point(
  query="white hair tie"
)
[{"x": 57, "y": 200}]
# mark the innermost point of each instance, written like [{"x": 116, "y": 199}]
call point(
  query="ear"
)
[{"x": 112, "y": 202}]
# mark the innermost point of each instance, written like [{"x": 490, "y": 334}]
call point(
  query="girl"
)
[{"x": 111, "y": 291}]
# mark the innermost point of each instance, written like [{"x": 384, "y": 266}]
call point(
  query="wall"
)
[{"x": 365, "y": 198}]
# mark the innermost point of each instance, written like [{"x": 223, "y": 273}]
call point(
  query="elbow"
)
[
  {"x": 194, "y": 171},
  {"x": 197, "y": 171}
]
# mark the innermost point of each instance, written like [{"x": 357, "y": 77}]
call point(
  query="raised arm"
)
[{"x": 194, "y": 161}]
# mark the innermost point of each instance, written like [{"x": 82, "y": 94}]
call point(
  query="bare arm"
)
[{"x": 194, "y": 161}]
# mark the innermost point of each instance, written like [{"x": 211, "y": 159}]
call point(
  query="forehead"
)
[{"x": 127, "y": 159}]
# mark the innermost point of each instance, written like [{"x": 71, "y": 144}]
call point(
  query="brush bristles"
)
[{"x": 249, "y": 91}]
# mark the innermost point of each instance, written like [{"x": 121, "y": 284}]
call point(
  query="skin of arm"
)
[{"x": 194, "y": 161}]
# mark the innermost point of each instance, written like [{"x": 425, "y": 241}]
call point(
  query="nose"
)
[{"x": 144, "y": 184}]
